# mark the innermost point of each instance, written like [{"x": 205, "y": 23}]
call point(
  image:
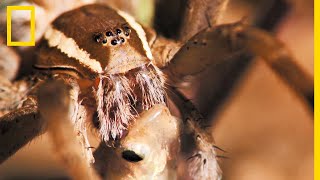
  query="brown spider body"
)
[
  {"x": 109, "y": 49},
  {"x": 93, "y": 40}
]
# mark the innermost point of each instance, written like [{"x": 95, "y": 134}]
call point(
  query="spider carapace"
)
[{"x": 110, "y": 49}]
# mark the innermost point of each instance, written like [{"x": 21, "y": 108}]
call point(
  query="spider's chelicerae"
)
[{"x": 97, "y": 67}]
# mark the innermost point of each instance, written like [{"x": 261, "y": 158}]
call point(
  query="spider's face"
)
[
  {"x": 110, "y": 49},
  {"x": 94, "y": 40}
]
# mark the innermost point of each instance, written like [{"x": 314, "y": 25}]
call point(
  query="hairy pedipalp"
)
[{"x": 115, "y": 94}]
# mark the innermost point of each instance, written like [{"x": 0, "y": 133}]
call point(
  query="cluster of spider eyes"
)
[{"x": 117, "y": 39}]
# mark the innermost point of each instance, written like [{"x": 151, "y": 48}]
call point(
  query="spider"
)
[{"x": 97, "y": 67}]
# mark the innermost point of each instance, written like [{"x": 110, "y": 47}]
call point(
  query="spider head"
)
[
  {"x": 94, "y": 40},
  {"x": 110, "y": 49}
]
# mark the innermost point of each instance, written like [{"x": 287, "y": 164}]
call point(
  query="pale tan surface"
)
[
  {"x": 267, "y": 131},
  {"x": 154, "y": 138}
]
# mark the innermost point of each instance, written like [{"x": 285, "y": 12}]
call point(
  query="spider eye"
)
[
  {"x": 127, "y": 30},
  {"x": 118, "y": 31},
  {"x": 109, "y": 33},
  {"x": 104, "y": 41},
  {"x": 122, "y": 40},
  {"x": 98, "y": 37},
  {"x": 114, "y": 42}
]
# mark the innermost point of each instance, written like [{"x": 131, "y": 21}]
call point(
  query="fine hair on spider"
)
[{"x": 121, "y": 97}]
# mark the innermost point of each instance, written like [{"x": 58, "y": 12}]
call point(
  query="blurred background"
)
[{"x": 266, "y": 130}]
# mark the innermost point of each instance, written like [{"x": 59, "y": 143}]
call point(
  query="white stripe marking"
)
[
  {"x": 138, "y": 28},
  {"x": 68, "y": 46}
]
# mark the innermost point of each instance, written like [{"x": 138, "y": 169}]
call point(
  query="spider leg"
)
[
  {"x": 200, "y": 15},
  {"x": 196, "y": 143},
  {"x": 182, "y": 19},
  {"x": 18, "y": 128},
  {"x": 19, "y": 118},
  {"x": 214, "y": 46},
  {"x": 12, "y": 94},
  {"x": 58, "y": 106},
  {"x": 279, "y": 59},
  {"x": 163, "y": 50}
]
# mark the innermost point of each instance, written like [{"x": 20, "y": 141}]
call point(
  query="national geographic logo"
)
[
  {"x": 11, "y": 6},
  {"x": 10, "y": 9}
]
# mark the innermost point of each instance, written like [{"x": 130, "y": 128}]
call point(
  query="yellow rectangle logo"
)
[{"x": 32, "y": 25}]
